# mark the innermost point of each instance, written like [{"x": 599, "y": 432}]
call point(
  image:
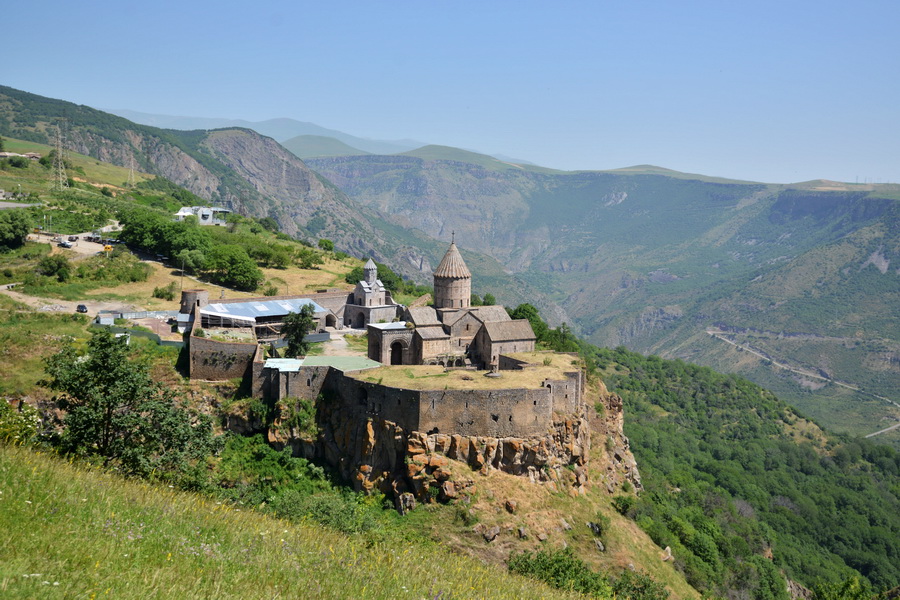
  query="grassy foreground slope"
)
[{"x": 68, "y": 531}]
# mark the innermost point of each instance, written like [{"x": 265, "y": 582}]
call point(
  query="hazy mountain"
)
[
  {"x": 805, "y": 274},
  {"x": 281, "y": 130},
  {"x": 309, "y": 146}
]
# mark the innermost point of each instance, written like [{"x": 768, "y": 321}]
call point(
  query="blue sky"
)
[{"x": 768, "y": 91}]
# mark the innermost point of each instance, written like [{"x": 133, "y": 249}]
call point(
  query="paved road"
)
[{"x": 720, "y": 335}]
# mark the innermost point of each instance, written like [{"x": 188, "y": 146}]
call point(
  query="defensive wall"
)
[
  {"x": 216, "y": 360},
  {"x": 489, "y": 412}
]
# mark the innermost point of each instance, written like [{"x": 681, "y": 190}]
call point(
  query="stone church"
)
[{"x": 451, "y": 332}]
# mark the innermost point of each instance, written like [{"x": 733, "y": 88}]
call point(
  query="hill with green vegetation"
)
[
  {"x": 448, "y": 153},
  {"x": 72, "y": 531},
  {"x": 732, "y": 474},
  {"x": 244, "y": 171},
  {"x": 310, "y": 146},
  {"x": 794, "y": 286}
]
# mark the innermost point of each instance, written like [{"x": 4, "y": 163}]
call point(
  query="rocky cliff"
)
[{"x": 414, "y": 466}]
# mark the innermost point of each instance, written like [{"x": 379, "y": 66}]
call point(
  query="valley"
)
[{"x": 793, "y": 286}]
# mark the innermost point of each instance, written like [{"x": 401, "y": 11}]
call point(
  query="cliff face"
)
[{"x": 414, "y": 466}]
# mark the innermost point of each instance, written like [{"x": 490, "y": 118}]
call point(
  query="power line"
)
[{"x": 59, "y": 181}]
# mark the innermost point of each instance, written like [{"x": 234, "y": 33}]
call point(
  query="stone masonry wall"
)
[{"x": 218, "y": 361}]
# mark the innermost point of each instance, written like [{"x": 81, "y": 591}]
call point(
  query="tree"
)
[
  {"x": 528, "y": 311},
  {"x": 14, "y": 226},
  {"x": 296, "y": 326},
  {"x": 1, "y": 144},
  {"x": 475, "y": 300},
  {"x": 193, "y": 261},
  {"x": 489, "y": 299},
  {"x": 326, "y": 245},
  {"x": 232, "y": 266},
  {"x": 55, "y": 265},
  {"x": 114, "y": 410}
]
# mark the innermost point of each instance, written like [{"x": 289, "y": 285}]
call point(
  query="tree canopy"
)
[
  {"x": 296, "y": 326},
  {"x": 14, "y": 227},
  {"x": 114, "y": 410}
]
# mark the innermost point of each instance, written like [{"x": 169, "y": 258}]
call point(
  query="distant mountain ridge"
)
[
  {"x": 249, "y": 172},
  {"x": 651, "y": 259},
  {"x": 281, "y": 130}
]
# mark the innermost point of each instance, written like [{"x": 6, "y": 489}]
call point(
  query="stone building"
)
[
  {"x": 370, "y": 302},
  {"x": 232, "y": 329},
  {"x": 452, "y": 332}
]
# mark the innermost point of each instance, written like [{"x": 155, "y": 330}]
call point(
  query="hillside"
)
[
  {"x": 247, "y": 172},
  {"x": 653, "y": 259},
  {"x": 739, "y": 487},
  {"x": 280, "y": 130},
  {"x": 76, "y": 532}
]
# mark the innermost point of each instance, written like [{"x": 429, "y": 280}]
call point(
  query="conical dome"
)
[{"x": 453, "y": 265}]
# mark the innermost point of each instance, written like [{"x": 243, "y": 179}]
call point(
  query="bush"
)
[
  {"x": 635, "y": 585},
  {"x": 18, "y": 426},
  {"x": 166, "y": 292},
  {"x": 561, "y": 569},
  {"x": 625, "y": 505}
]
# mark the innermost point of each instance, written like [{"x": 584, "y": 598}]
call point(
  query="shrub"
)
[
  {"x": 636, "y": 585},
  {"x": 166, "y": 292},
  {"x": 625, "y": 505},
  {"x": 561, "y": 569},
  {"x": 18, "y": 426}
]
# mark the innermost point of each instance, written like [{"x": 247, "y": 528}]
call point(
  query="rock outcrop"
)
[{"x": 375, "y": 453}]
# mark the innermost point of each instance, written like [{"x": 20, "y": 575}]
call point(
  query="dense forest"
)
[
  {"x": 741, "y": 486},
  {"x": 733, "y": 475}
]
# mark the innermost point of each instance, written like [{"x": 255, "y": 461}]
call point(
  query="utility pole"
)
[
  {"x": 60, "y": 181},
  {"x": 131, "y": 173}
]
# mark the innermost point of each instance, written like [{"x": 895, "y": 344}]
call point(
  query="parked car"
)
[
  {"x": 73, "y": 238},
  {"x": 81, "y": 308},
  {"x": 64, "y": 244}
]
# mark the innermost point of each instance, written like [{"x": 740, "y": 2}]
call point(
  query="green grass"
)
[
  {"x": 69, "y": 531},
  {"x": 93, "y": 169},
  {"x": 25, "y": 338}
]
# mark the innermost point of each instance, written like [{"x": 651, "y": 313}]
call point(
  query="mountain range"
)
[{"x": 795, "y": 286}]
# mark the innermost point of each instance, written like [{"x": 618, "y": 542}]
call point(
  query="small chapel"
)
[{"x": 451, "y": 332}]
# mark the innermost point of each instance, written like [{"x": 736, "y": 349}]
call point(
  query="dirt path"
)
[
  {"x": 338, "y": 345},
  {"x": 55, "y": 305}
]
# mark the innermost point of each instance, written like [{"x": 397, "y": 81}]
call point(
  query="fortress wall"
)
[
  {"x": 566, "y": 393},
  {"x": 218, "y": 361},
  {"x": 259, "y": 376},
  {"x": 489, "y": 413},
  {"x": 361, "y": 400},
  {"x": 306, "y": 383}
]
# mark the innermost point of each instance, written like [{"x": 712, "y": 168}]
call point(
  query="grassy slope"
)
[{"x": 72, "y": 532}]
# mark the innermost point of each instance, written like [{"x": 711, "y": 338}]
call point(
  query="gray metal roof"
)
[
  {"x": 249, "y": 311},
  {"x": 285, "y": 365},
  {"x": 397, "y": 325}
]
